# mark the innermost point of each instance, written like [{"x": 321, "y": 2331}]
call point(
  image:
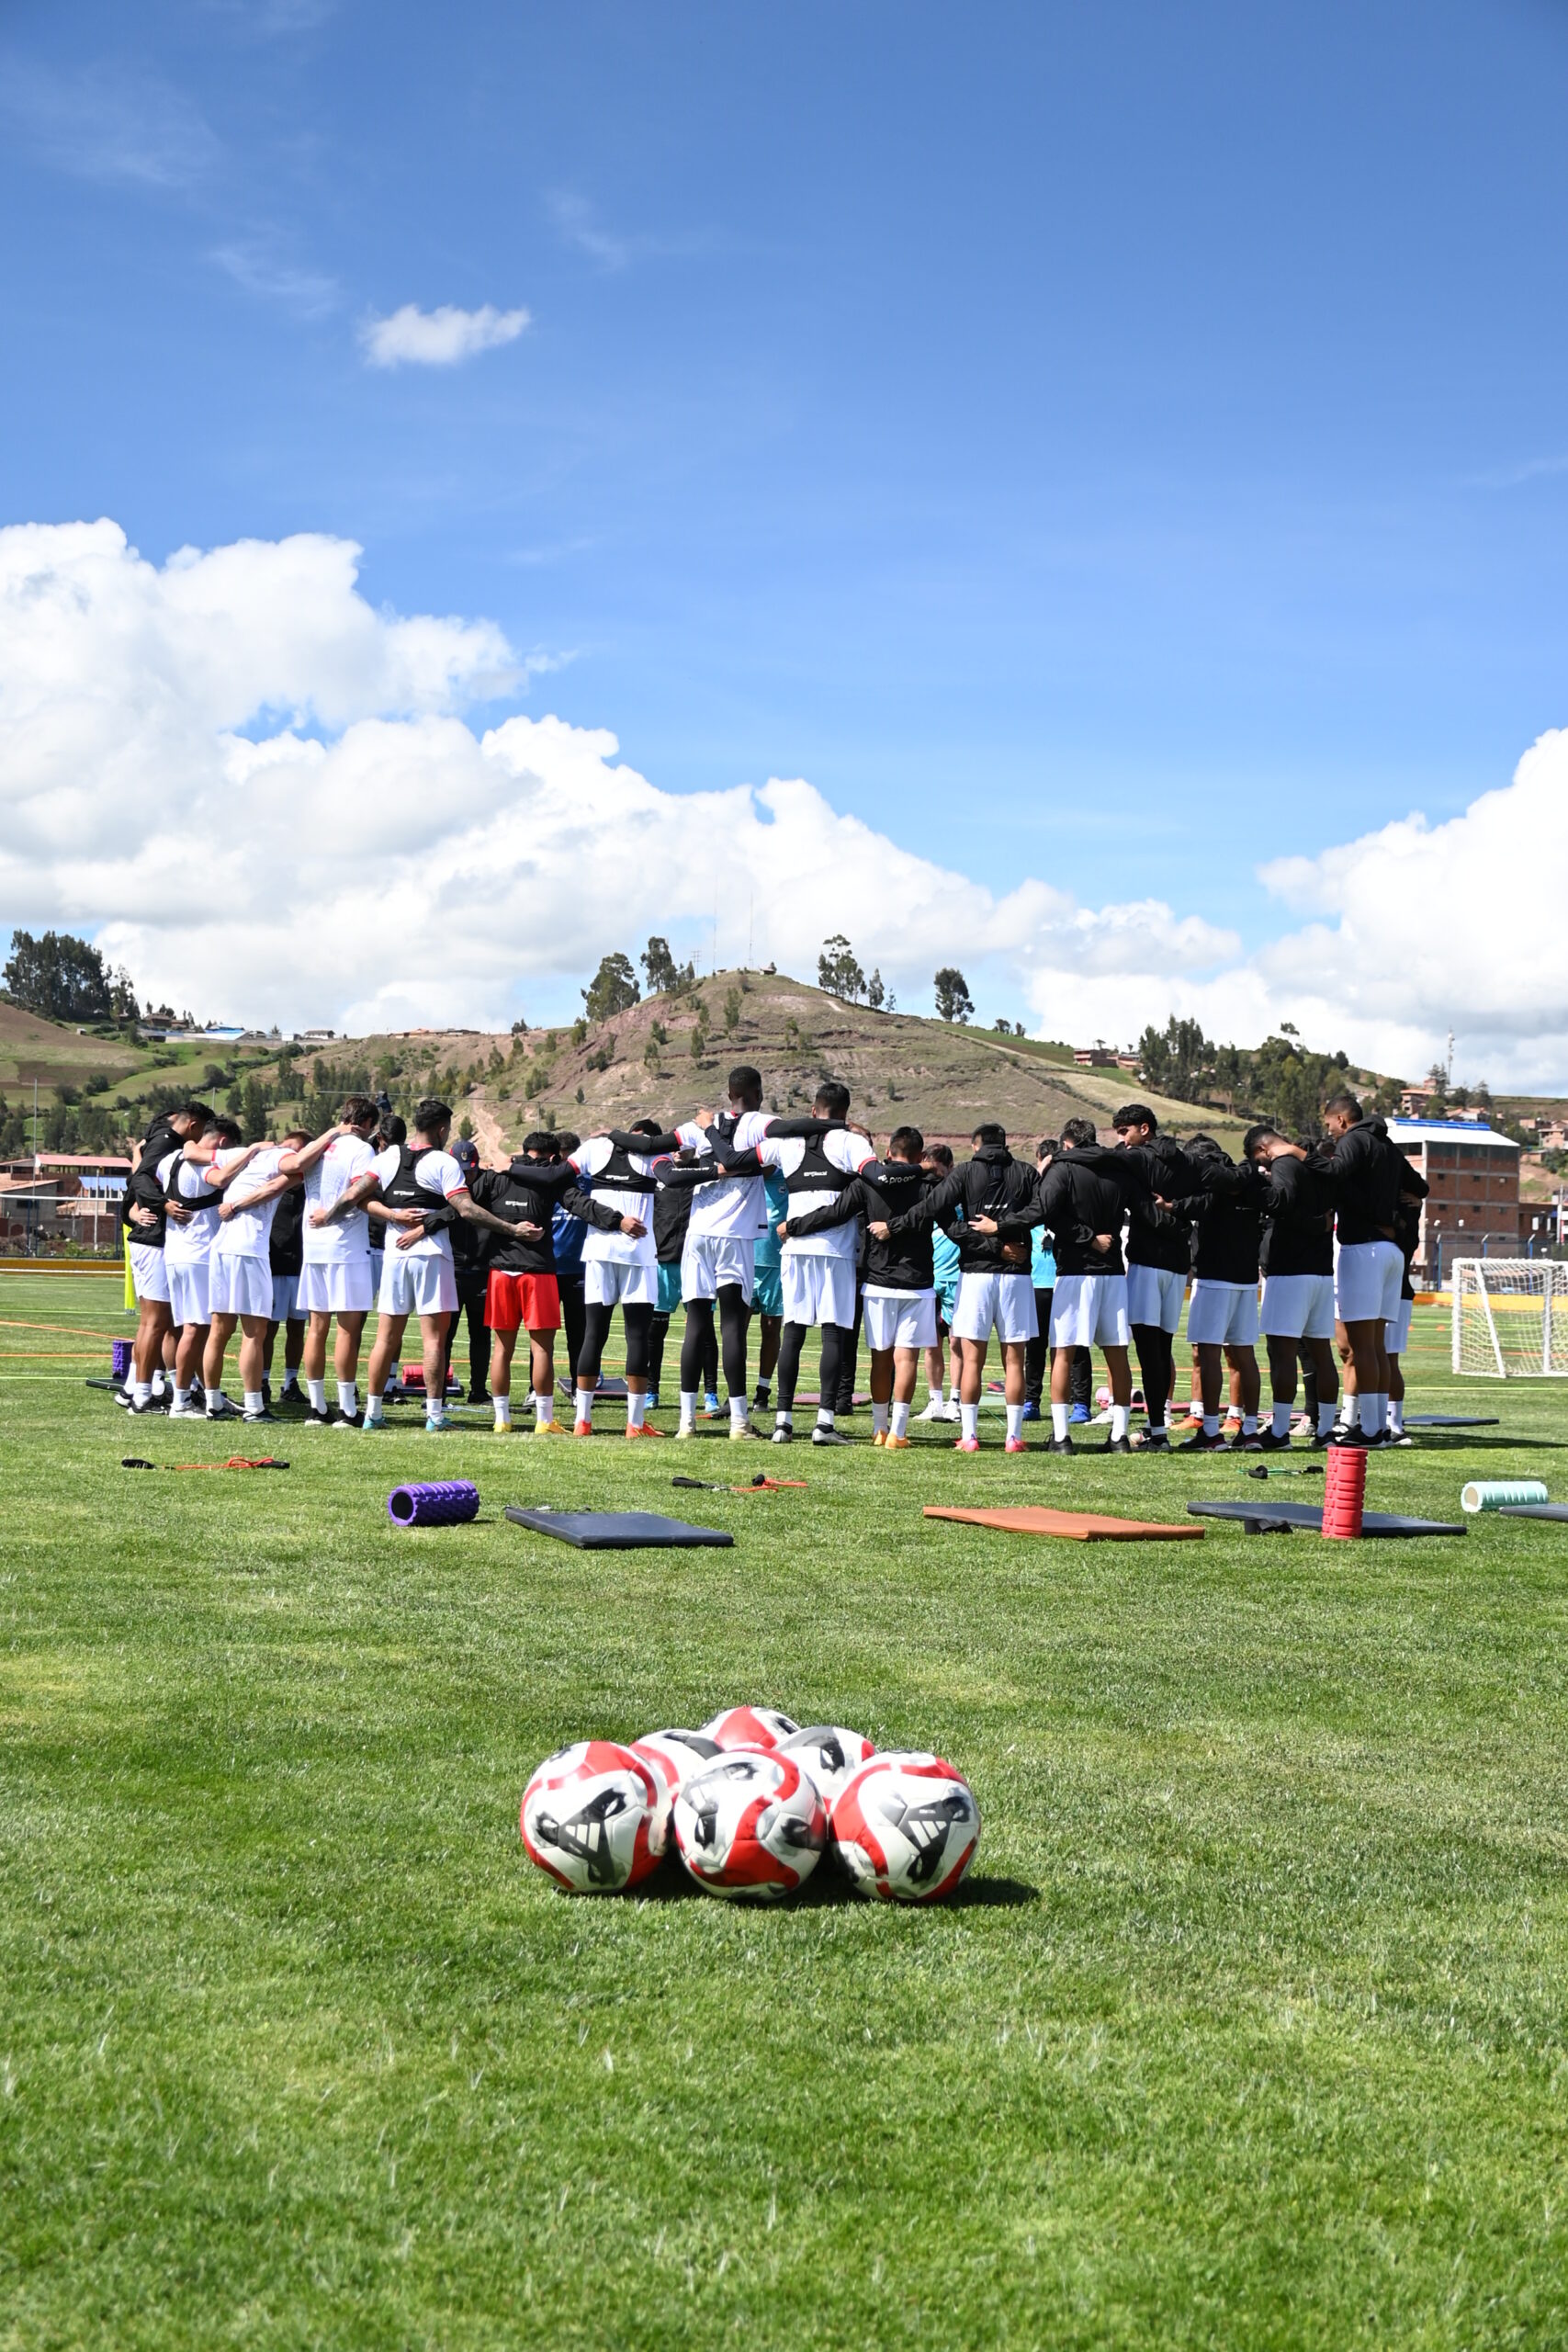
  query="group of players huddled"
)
[{"x": 800, "y": 1222}]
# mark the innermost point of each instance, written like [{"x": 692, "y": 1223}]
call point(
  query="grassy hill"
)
[{"x": 670, "y": 1055}]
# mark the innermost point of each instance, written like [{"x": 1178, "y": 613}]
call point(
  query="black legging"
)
[
  {"x": 574, "y": 1315},
  {"x": 697, "y": 1345},
  {"x": 1037, "y": 1352},
  {"x": 658, "y": 1332},
  {"x": 596, "y": 1330},
  {"x": 1308, "y": 1362},
  {"x": 471, "y": 1289},
  {"x": 1156, "y": 1355},
  {"x": 835, "y": 1338},
  {"x": 843, "y": 1398}
]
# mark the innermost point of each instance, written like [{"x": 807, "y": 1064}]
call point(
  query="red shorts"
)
[{"x": 532, "y": 1301}]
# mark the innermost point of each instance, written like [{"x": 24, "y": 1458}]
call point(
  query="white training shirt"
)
[
  {"x": 437, "y": 1173},
  {"x": 187, "y": 1245},
  {"x": 735, "y": 1206},
  {"x": 840, "y": 1150},
  {"x": 248, "y": 1233},
  {"x": 620, "y": 1249},
  {"x": 346, "y": 1159}
]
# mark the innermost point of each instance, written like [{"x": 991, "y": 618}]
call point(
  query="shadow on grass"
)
[{"x": 829, "y": 1886}]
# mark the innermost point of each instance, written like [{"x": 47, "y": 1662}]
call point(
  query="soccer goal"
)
[{"x": 1510, "y": 1317}]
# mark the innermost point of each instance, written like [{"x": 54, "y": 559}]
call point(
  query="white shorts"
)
[
  {"x": 1155, "y": 1295},
  {"x": 286, "y": 1306},
  {"x": 1367, "y": 1279},
  {"x": 189, "y": 1292},
  {"x": 239, "y": 1285},
  {"x": 1222, "y": 1315},
  {"x": 999, "y": 1303},
  {"x": 817, "y": 1289},
  {"x": 335, "y": 1286},
  {"x": 711, "y": 1260},
  {"x": 148, "y": 1272},
  {"x": 1396, "y": 1332},
  {"x": 616, "y": 1281},
  {"x": 412, "y": 1285},
  {"x": 898, "y": 1318},
  {"x": 1297, "y": 1306},
  {"x": 1090, "y": 1310}
]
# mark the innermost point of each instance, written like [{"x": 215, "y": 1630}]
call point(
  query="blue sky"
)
[{"x": 1122, "y": 446}]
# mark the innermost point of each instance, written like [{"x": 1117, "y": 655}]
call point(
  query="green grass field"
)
[{"x": 1251, "y": 2031}]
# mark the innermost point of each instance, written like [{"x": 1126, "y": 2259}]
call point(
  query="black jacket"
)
[
  {"x": 992, "y": 1184},
  {"x": 1368, "y": 1173},
  {"x": 525, "y": 1192},
  {"x": 1158, "y": 1237},
  {"x": 159, "y": 1140},
  {"x": 286, "y": 1242},
  {"x": 880, "y": 1194},
  {"x": 1081, "y": 1192},
  {"x": 1227, "y": 1217},
  {"x": 1298, "y": 1203}
]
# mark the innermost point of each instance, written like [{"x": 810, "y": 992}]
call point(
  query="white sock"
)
[
  {"x": 290, "y": 1383},
  {"x": 215, "y": 1399},
  {"x": 1058, "y": 1419},
  {"x": 1326, "y": 1417},
  {"x": 900, "y": 1420},
  {"x": 317, "y": 1392},
  {"x": 968, "y": 1419},
  {"x": 1347, "y": 1408},
  {"x": 878, "y": 1416},
  {"x": 181, "y": 1397},
  {"x": 784, "y": 1419},
  {"x": 637, "y": 1409},
  {"x": 141, "y": 1392},
  {"x": 544, "y": 1409},
  {"x": 1396, "y": 1415},
  {"x": 1280, "y": 1420},
  {"x": 1015, "y": 1420},
  {"x": 255, "y": 1401},
  {"x": 502, "y": 1410},
  {"x": 1210, "y": 1425},
  {"x": 1370, "y": 1419},
  {"x": 688, "y": 1408},
  {"x": 348, "y": 1396},
  {"x": 938, "y": 1394},
  {"x": 1249, "y": 1425},
  {"x": 824, "y": 1417},
  {"x": 739, "y": 1413},
  {"x": 585, "y": 1404},
  {"x": 374, "y": 1405},
  {"x": 1119, "y": 1417}
]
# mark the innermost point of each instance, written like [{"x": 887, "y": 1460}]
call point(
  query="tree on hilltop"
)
[
  {"x": 954, "y": 1002},
  {"x": 614, "y": 989}
]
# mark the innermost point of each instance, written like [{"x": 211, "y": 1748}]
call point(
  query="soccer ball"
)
[
  {"x": 906, "y": 1827},
  {"x": 749, "y": 1727},
  {"x": 672, "y": 1757},
  {"x": 831, "y": 1753},
  {"x": 750, "y": 1823},
  {"x": 592, "y": 1817}
]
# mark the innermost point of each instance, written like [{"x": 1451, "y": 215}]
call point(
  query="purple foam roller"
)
[
  {"x": 120, "y": 1360},
  {"x": 441, "y": 1502}
]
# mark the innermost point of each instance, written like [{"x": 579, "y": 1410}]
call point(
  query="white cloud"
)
[
  {"x": 306, "y": 292},
  {"x": 439, "y": 338},
  {"x": 261, "y": 793}
]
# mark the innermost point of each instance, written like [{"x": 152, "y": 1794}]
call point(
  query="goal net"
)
[{"x": 1510, "y": 1317}]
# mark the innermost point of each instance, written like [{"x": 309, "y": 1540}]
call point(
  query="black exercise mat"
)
[
  {"x": 609, "y": 1392},
  {"x": 1451, "y": 1421},
  {"x": 1272, "y": 1514},
  {"x": 1533, "y": 1510},
  {"x": 616, "y": 1531}
]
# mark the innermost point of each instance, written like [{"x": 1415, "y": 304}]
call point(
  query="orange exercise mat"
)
[{"x": 1078, "y": 1526}]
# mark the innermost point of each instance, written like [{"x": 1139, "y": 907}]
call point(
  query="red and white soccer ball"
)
[
  {"x": 749, "y": 1727},
  {"x": 752, "y": 1823},
  {"x": 831, "y": 1753},
  {"x": 594, "y": 1818},
  {"x": 906, "y": 1827},
  {"x": 672, "y": 1757}
]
